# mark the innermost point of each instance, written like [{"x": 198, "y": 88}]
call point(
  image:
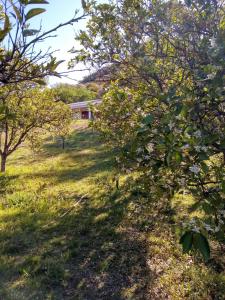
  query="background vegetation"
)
[{"x": 68, "y": 93}]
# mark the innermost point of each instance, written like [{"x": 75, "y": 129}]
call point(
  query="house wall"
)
[
  {"x": 82, "y": 110},
  {"x": 82, "y": 114}
]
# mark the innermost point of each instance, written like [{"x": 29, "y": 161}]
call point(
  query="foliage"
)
[
  {"x": 68, "y": 93},
  {"x": 20, "y": 57},
  {"x": 26, "y": 111},
  {"x": 128, "y": 107},
  {"x": 171, "y": 54},
  {"x": 102, "y": 75}
]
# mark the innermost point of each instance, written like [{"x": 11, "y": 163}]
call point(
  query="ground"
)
[{"x": 66, "y": 232}]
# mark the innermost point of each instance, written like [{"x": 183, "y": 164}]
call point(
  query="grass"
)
[{"x": 67, "y": 233}]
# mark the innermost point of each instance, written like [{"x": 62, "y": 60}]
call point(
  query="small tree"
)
[
  {"x": 62, "y": 131},
  {"x": 24, "y": 110}
]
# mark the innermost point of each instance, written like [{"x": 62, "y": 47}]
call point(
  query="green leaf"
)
[
  {"x": 168, "y": 157},
  {"x": 84, "y": 4},
  {"x": 120, "y": 96},
  {"x": 208, "y": 208},
  {"x": 30, "y": 32},
  {"x": 178, "y": 109},
  {"x": 54, "y": 67},
  {"x": 195, "y": 206},
  {"x": 201, "y": 243},
  {"x": 223, "y": 186},
  {"x": 211, "y": 138},
  {"x": 38, "y": 2},
  {"x": 222, "y": 143},
  {"x": 17, "y": 12},
  {"x": 177, "y": 156},
  {"x": 204, "y": 167},
  {"x": 203, "y": 156},
  {"x": 148, "y": 120},
  {"x": 40, "y": 81},
  {"x": 6, "y": 29},
  {"x": 25, "y": 2},
  {"x": 220, "y": 236},
  {"x": 53, "y": 64},
  {"x": 34, "y": 12},
  {"x": 7, "y": 25},
  {"x": 186, "y": 241}
]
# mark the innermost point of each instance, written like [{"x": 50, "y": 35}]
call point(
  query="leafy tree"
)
[
  {"x": 96, "y": 88},
  {"x": 172, "y": 70},
  {"x": 20, "y": 58},
  {"x": 27, "y": 111},
  {"x": 103, "y": 75},
  {"x": 69, "y": 93}
]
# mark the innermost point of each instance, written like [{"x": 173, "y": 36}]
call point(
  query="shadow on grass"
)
[
  {"x": 85, "y": 156},
  {"x": 84, "y": 255},
  {"x": 78, "y": 140},
  {"x": 94, "y": 250},
  {"x": 5, "y": 181},
  {"x": 95, "y": 164}
]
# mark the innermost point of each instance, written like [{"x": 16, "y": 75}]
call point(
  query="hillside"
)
[{"x": 66, "y": 232}]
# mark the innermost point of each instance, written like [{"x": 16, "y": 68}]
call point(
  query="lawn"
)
[{"x": 66, "y": 232}]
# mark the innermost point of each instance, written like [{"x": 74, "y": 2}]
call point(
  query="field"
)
[{"x": 66, "y": 232}]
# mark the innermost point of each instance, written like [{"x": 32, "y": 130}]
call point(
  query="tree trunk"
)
[
  {"x": 63, "y": 142},
  {"x": 3, "y": 162}
]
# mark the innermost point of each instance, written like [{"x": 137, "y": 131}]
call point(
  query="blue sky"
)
[{"x": 59, "y": 11}]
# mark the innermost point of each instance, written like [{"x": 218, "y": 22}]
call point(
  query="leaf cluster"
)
[{"x": 166, "y": 112}]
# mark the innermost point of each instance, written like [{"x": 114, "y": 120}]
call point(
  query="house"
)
[{"x": 82, "y": 110}]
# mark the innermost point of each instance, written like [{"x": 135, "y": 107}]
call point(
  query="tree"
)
[
  {"x": 22, "y": 66},
  {"x": 171, "y": 56},
  {"x": 69, "y": 93},
  {"x": 20, "y": 58},
  {"x": 25, "y": 110}
]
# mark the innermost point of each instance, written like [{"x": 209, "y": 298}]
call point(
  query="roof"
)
[{"x": 85, "y": 104}]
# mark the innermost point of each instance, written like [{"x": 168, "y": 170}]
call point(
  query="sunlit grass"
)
[{"x": 66, "y": 232}]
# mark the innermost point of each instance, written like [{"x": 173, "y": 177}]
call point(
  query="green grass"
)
[{"x": 67, "y": 233}]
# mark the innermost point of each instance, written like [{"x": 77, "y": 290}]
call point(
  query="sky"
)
[{"x": 60, "y": 11}]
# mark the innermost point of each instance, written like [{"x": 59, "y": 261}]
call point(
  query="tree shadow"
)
[
  {"x": 87, "y": 254},
  {"x": 85, "y": 157},
  {"x": 95, "y": 165},
  {"x": 5, "y": 181},
  {"x": 78, "y": 140},
  {"x": 84, "y": 253},
  {"x": 111, "y": 261}
]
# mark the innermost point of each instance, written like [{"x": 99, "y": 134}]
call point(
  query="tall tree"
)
[{"x": 171, "y": 58}]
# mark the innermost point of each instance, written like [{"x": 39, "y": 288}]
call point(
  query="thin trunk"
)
[
  {"x": 0, "y": 140},
  {"x": 117, "y": 184},
  {"x": 63, "y": 142},
  {"x": 3, "y": 162}
]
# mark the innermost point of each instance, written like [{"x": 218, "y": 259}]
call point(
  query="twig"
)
[
  {"x": 75, "y": 205},
  {"x": 68, "y": 211}
]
